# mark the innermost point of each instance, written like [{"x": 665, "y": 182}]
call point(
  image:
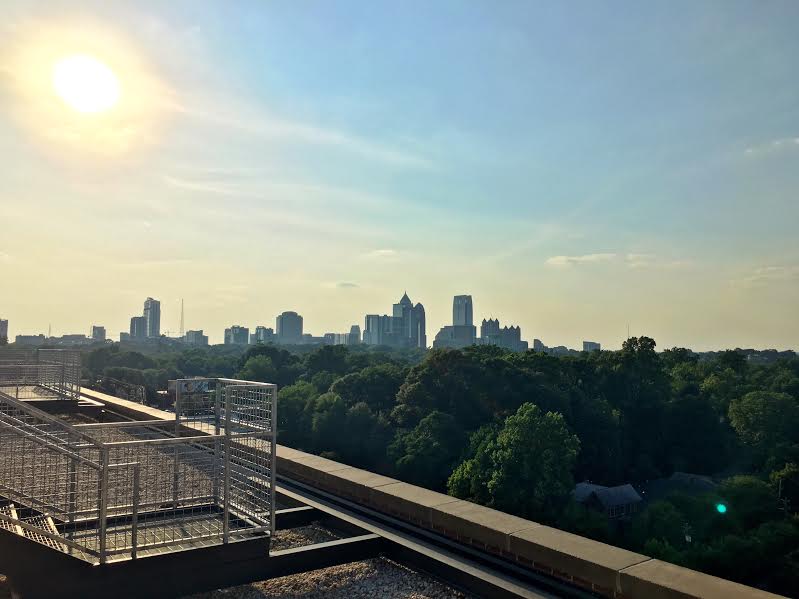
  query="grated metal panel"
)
[
  {"x": 40, "y": 373},
  {"x": 104, "y": 491}
]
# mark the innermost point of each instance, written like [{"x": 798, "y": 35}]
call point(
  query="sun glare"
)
[{"x": 85, "y": 84}]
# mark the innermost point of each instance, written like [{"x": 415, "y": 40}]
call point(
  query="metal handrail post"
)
[
  {"x": 103, "y": 502},
  {"x": 226, "y": 488},
  {"x": 72, "y": 493},
  {"x": 176, "y": 473},
  {"x": 273, "y": 464},
  {"x": 217, "y": 444},
  {"x": 134, "y": 539}
]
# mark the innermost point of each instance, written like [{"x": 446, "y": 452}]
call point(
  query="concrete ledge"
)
[
  {"x": 477, "y": 525},
  {"x": 408, "y": 501},
  {"x": 572, "y": 557},
  {"x": 357, "y": 484},
  {"x": 655, "y": 579},
  {"x": 132, "y": 409},
  {"x": 310, "y": 468}
]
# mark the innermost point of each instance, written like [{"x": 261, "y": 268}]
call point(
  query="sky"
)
[{"x": 576, "y": 167}]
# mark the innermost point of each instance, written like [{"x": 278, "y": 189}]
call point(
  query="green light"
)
[{"x": 721, "y": 508}]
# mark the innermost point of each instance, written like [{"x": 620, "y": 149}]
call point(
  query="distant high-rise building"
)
[
  {"x": 538, "y": 345},
  {"x": 591, "y": 346},
  {"x": 462, "y": 311},
  {"x": 289, "y": 328},
  {"x": 408, "y": 324},
  {"x": 454, "y": 337},
  {"x": 69, "y": 340},
  {"x": 237, "y": 335},
  {"x": 406, "y": 327},
  {"x": 3, "y": 329},
  {"x": 123, "y": 337},
  {"x": 462, "y": 332},
  {"x": 138, "y": 328},
  {"x": 418, "y": 327},
  {"x": 506, "y": 337},
  {"x": 196, "y": 338},
  {"x": 262, "y": 335},
  {"x": 354, "y": 337},
  {"x": 152, "y": 315},
  {"x": 98, "y": 333},
  {"x": 489, "y": 328},
  {"x": 30, "y": 340},
  {"x": 377, "y": 330}
]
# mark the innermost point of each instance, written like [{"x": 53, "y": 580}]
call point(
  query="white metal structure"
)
[
  {"x": 105, "y": 491},
  {"x": 40, "y": 373}
]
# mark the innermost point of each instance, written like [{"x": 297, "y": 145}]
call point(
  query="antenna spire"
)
[{"x": 182, "y": 332}]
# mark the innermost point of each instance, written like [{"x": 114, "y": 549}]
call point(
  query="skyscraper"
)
[
  {"x": 408, "y": 324},
  {"x": 507, "y": 337},
  {"x": 354, "y": 337},
  {"x": 377, "y": 329},
  {"x": 405, "y": 327},
  {"x": 3, "y": 329},
  {"x": 196, "y": 338},
  {"x": 462, "y": 332},
  {"x": 462, "y": 311},
  {"x": 152, "y": 314},
  {"x": 138, "y": 328},
  {"x": 591, "y": 346},
  {"x": 262, "y": 335},
  {"x": 98, "y": 333},
  {"x": 289, "y": 328},
  {"x": 237, "y": 335}
]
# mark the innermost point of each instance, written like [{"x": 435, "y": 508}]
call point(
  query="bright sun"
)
[{"x": 85, "y": 84}]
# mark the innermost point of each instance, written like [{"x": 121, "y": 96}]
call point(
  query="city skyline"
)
[
  {"x": 489, "y": 332},
  {"x": 641, "y": 168}
]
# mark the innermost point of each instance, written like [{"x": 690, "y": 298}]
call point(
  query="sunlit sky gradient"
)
[{"x": 573, "y": 166}]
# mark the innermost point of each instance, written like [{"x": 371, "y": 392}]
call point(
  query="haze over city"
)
[{"x": 573, "y": 170}]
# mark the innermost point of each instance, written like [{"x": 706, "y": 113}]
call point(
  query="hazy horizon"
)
[{"x": 573, "y": 168}]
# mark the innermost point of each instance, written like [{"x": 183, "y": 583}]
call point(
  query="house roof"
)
[
  {"x": 616, "y": 496},
  {"x": 607, "y": 496},
  {"x": 678, "y": 482},
  {"x": 582, "y": 491}
]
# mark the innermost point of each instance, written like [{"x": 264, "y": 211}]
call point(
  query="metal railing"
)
[
  {"x": 107, "y": 491},
  {"x": 40, "y": 373}
]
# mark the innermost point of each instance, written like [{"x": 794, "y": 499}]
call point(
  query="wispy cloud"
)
[
  {"x": 383, "y": 254},
  {"x": 567, "y": 261},
  {"x": 157, "y": 263},
  {"x": 766, "y": 275},
  {"x": 257, "y": 121},
  {"x": 639, "y": 260},
  {"x": 636, "y": 261},
  {"x": 347, "y": 285},
  {"x": 776, "y": 145},
  {"x": 5, "y": 258}
]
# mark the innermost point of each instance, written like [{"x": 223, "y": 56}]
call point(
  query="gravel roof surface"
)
[
  {"x": 368, "y": 579},
  {"x": 379, "y": 577}
]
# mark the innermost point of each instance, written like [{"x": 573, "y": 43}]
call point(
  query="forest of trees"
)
[{"x": 516, "y": 431}]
